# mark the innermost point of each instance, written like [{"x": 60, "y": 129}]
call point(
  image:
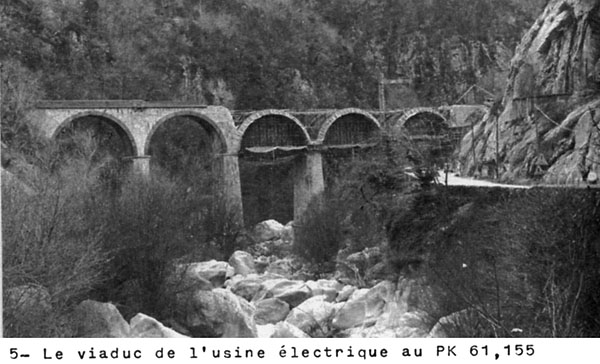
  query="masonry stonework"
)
[{"x": 138, "y": 120}]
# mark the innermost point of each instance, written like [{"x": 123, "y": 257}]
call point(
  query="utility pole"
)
[
  {"x": 495, "y": 113},
  {"x": 497, "y": 147}
]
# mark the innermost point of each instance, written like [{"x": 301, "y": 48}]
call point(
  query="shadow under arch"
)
[
  {"x": 120, "y": 127},
  {"x": 272, "y": 128},
  {"x": 428, "y": 137},
  {"x": 349, "y": 127},
  {"x": 220, "y": 143},
  {"x": 272, "y": 148},
  {"x": 416, "y": 114}
]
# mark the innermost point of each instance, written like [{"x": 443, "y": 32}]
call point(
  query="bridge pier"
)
[
  {"x": 308, "y": 181},
  {"x": 231, "y": 188},
  {"x": 141, "y": 165}
]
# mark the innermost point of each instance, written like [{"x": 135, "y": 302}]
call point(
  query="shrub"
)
[
  {"x": 522, "y": 260},
  {"x": 51, "y": 239},
  {"x": 154, "y": 224},
  {"x": 362, "y": 185},
  {"x": 319, "y": 234}
]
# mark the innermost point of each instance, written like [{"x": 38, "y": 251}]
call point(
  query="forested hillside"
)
[{"x": 250, "y": 54}]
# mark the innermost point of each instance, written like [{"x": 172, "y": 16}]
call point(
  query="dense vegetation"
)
[
  {"x": 521, "y": 263},
  {"x": 75, "y": 232},
  {"x": 259, "y": 54}
]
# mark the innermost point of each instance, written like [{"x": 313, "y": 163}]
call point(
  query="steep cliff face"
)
[{"x": 549, "y": 126}]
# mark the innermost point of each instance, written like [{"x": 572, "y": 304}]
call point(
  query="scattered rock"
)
[
  {"x": 312, "y": 315},
  {"x": 447, "y": 326},
  {"x": 287, "y": 235},
  {"x": 219, "y": 313},
  {"x": 272, "y": 248},
  {"x": 265, "y": 331},
  {"x": 242, "y": 263},
  {"x": 146, "y": 326},
  {"x": 268, "y": 230},
  {"x": 270, "y": 311},
  {"x": 406, "y": 325},
  {"x": 246, "y": 288},
  {"x": 97, "y": 319},
  {"x": 363, "y": 309},
  {"x": 292, "y": 292},
  {"x": 329, "y": 288},
  {"x": 284, "y": 267},
  {"x": 261, "y": 263},
  {"x": 345, "y": 293},
  {"x": 286, "y": 330},
  {"x": 358, "y": 293},
  {"x": 213, "y": 271},
  {"x": 182, "y": 282}
]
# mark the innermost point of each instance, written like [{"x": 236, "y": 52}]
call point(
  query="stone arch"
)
[
  {"x": 330, "y": 121},
  {"x": 302, "y": 136},
  {"x": 414, "y": 112},
  {"x": 120, "y": 126},
  {"x": 211, "y": 127}
]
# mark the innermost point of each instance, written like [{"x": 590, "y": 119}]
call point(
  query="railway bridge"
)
[{"x": 237, "y": 133}]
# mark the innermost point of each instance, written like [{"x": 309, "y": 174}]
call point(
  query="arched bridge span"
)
[{"x": 237, "y": 132}]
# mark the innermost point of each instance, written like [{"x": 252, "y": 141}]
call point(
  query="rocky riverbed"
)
[{"x": 264, "y": 293}]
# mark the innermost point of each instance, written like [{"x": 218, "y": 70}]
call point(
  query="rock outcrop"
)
[
  {"x": 146, "y": 327},
  {"x": 312, "y": 316},
  {"x": 242, "y": 263},
  {"x": 219, "y": 313},
  {"x": 549, "y": 123},
  {"x": 98, "y": 319}
]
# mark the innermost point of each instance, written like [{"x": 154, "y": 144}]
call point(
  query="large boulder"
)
[
  {"x": 270, "y": 311},
  {"x": 287, "y": 267},
  {"x": 327, "y": 287},
  {"x": 286, "y": 330},
  {"x": 405, "y": 325},
  {"x": 364, "y": 309},
  {"x": 450, "y": 325},
  {"x": 292, "y": 292},
  {"x": 265, "y": 331},
  {"x": 97, "y": 319},
  {"x": 397, "y": 318},
  {"x": 247, "y": 287},
  {"x": 242, "y": 263},
  {"x": 312, "y": 316},
  {"x": 211, "y": 271},
  {"x": 352, "y": 267},
  {"x": 268, "y": 230},
  {"x": 261, "y": 263},
  {"x": 146, "y": 326},
  {"x": 287, "y": 235},
  {"x": 345, "y": 293},
  {"x": 219, "y": 313},
  {"x": 276, "y": 247}
]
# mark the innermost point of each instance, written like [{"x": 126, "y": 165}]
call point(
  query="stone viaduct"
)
[{"x": 234, "y": 133}]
